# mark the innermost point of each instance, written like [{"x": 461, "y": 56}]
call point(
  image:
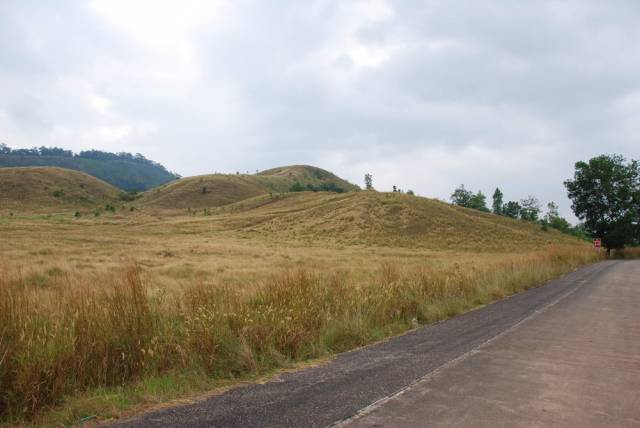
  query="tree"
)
[
  {"x": 530, "y": 208},
  {"x": 605, "y": 194},
  {"x": 395, "y": 189},
  {"x": 297, "y": 187},
  {"x": 462, "y": 197},
  {"x": 554, "y": 220},
  {"x": 410, "y": 192},
  {"x": 479, "y": 202},
  {"x": 511, "y": 209},
  {"x": 497, "y": 201},
  {"x": 368, "y": 181},
  {"x": 466, "y": 198}
]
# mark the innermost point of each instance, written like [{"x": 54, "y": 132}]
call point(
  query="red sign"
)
[{"x": 597, "y": 243}]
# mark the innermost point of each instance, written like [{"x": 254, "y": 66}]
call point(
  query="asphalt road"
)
[{"x": 566, "y": 353}]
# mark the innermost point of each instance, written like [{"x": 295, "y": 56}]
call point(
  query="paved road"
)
[
  {"x": 576, "y": 364},
  {"x": 564, "y": 353}
]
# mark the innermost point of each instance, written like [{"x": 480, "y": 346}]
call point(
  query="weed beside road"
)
[{"x": 71, "y": 333}]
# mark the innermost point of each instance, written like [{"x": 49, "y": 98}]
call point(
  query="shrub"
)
[
  {"x": 297, "y": 187},
  {"x": 129, "y": 196}
]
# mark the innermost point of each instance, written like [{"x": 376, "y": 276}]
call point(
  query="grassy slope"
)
[
  {"x": 122, "y": 174},
  {"x": 208, "y": 191},
  {"x": 255, "y": 286},
  {"x": 33, "y": 188},
  {"x": 384, "y": 219}
]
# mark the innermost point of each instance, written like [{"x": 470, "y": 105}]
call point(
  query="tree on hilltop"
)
[
  {"x": 461, "y": 196},
  {"x": 511, "y": 209},
  {"x": 368, "y": 181},
  {"x": 497, "y": 201},
  {"x": 530, "y": 208}
]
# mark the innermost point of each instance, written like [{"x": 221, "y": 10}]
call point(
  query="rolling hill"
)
[
  {"x": 208, "y": 191},
  {"x": 50, "y": 189},
  {"x": 123, "y": 170},
  {"x": 261, "y": 206},
  {"x": 385, "y": 219}
]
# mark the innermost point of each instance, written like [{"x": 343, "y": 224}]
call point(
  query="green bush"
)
[{"x": 129, "y": 196}]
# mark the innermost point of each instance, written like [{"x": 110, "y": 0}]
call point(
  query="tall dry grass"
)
[{"x": 66, "y": 336}]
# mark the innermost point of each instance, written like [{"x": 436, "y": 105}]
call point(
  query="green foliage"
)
[
  {"x": 129, "y": 196},
  {"x": 497, "y": 201},
  {"x": 323, "y": 187},
  {"x": 461, "y": 196},
  {"x": 530, "y": 208},
  {"x": 606, "y": 195},
  {"x": 109, "y": 207},
  {"x": 410, "y": 192},
  {"x": 58, "y": 193},
  {"x": 479, "y": 202},
  {"x": 368, "y": 181},
  {"x": 511, "y": 209},
  {"x": 297, "y": 187},
  {"x": 77, "y": 214},
  {"x": 123, "y": 170},
  {"x": 466, "y": 198},
  {"x": 554, "y": 220}
]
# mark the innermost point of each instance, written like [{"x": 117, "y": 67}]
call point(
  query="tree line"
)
[
  {"x": 528, "y": 209},
  {"x": 605, "y": 196},
  {"x": 85, "y": 154}
]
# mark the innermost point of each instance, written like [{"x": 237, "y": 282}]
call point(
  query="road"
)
[{"x": 564, "y": 354}]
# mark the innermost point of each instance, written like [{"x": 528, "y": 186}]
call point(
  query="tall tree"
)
[
  {"x": 554, "y": 220},
  {"x": 462, "y": 197},
  {"x": 479, "y": 202},
  {"x": 368, "y": 181},
  {"x": 497, "y": 201},
  {"x": 606, "y": 194},
  {"x": 530, "y": 208},
  {"x": 511, "y": 209}
]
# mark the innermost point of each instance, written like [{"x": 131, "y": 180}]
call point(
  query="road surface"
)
[{"x": 564, "y": 354}]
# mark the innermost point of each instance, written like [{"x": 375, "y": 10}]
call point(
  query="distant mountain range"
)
[{"x": 123, "y": 170}]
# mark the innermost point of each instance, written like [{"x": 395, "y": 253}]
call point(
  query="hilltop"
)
[
  {"x": 309, "y": 175},
  {"x": 50, "y": 188},
  {"x": 123, "y": 170},
  {"x": 215, "y": 190}
]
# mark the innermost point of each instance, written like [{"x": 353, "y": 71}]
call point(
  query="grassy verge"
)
[{"x": 71, "y": 349}]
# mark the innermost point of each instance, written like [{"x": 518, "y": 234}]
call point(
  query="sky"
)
[{"x": 424, "y": 95}]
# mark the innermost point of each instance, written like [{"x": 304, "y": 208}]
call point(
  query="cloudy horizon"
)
[{"x": 425, "y": 95}]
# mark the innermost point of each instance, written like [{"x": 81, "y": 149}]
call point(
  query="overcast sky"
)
[{"x": 425, "y": 95}]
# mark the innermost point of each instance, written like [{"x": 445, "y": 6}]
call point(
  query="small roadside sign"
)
[{"x": 597, "y": 243}]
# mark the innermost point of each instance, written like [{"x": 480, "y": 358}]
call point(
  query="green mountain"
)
[{"x": 123, "y": 170}]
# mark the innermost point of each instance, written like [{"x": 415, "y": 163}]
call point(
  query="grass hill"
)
[
  {"x": 208, "y": 191},
  {"x": 123, "y": 170},
  {"x": 50, "y": 188},
  {"x": 386, "y": 219},
  {"x": 306, "y": 174}
]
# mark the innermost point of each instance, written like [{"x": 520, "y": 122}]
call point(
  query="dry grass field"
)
[{"x": 101, "y": 314}]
